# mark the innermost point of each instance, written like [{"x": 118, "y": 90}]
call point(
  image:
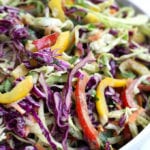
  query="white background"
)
[{"x": 143, "y": 4}]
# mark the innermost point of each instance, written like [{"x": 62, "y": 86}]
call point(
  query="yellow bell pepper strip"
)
[
  {"x": 68, "y": 2},
  {"x": 19, "y": 71},
  {"x": 89, "y": 131},
  {"x": 101, "y": 105},
  {"x": 21, "y": 90},
  {"x": 91, "y": 18},
  {"x": 57, "y": 9},
  {"x": 135, "y": 66},
  {"x": 62, "y": 43}
]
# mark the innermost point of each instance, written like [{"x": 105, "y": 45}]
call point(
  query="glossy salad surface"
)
[{"x": 74, "y": 74}]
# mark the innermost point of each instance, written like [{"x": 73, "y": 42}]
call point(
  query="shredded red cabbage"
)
[
  {"x": 14, "y": 121},
  {"x": 18, "y": 32},
  {"x": 119, "y": 50},
  {"x": 46, "y": 133},
  {"x": 97, "y": 1},
  {"x": 122, "y": 120},
  {"x": 5, "y": 147},
  {"x": 93, "y": 82}
]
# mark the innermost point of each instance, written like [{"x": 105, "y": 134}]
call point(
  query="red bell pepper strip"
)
[
  {"x": 144, "y": 87},
  {"x": 82, "y": 112},
  {"x": 128, "y": 95},
  {"x": 46, "y": 41}
]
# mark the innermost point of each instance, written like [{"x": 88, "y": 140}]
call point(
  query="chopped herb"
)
[
  {"x": 128, "y": 75},
  {"x": 81, "y": 2},
  {"x": 104, "y": 136},
  {"x": 73, "y": 59},
  {"x": 6, "y": 86},
  {"x": 93, "y": 94},
  {"x": 91, "y": 27}
]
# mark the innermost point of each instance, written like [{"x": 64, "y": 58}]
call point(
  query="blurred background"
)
[{"x": 143, "y": 4}]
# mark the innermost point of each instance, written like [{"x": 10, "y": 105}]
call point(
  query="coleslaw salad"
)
[{"x": 74, "y": 75}]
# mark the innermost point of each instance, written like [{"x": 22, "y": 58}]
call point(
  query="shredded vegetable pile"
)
[{"x": 74, "y": 74}]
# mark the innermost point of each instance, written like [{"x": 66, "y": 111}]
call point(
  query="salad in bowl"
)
[{"x": 74, "y": 74}]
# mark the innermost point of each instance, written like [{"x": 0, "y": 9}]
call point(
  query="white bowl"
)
[{"x": 140, "y": 142}]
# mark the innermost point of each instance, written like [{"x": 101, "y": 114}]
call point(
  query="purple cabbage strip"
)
[
  {"x": 20, "y": 145},
  {"x": 9, "y": 9},
  {"x": 46, "y": 133},
  {"x": 130, "y": 33},
  {"x": 18, "y": 32},
  {"x": 29, "y": 148},
  {"x": 2, "y": 111},
  {"x": 5, "y": 26},
  {"x": 67, "y": 91},
  {"x": 63, "y": 65},
  {"x": 110, "y": 91},
  {"x": 43, "y": 85},
  {"x": 32, "y": 102},
  {"x": 112, "y": 94},
  {"x": 91, "y": 85},
  {"x": 14, "y": 121},
  {"x": 26, "y": 106},
  {"x": 59, "y": 117},
  {"x": 113, "y": 32},
  {"x": 17, "y": 44},
  {"x": 107, "y": 146},
  {"x": 29, "y": 104},
  {"x": 72, "y": 10},
  {"x": 11, "y": 28},
  {"x": 122, "y": 120},
  {"x": 36, "y": 91},
  {"x": 114, "y": 7},
  {"x": 2, "y": 50},
  {"x": 48, "y": 57},
  {"x": 92, "y": 110},
  {"x": 80, "y": 47},
  {"x": 132, "y": 45},
  {"x": 47, "y": 91},
  {"x": 58, "y": 107},
  {"x": 44, "y": 56},
  {"x": 79, "y": 75},
  {"x": 83, "y": 47},
  {"x": 97, "y": 1},
  {"x": 28, "y": 64},
  {"x": 112, "y": 98},
  {"x": 93, "y": 82},
  {"x": 49, "y": 100},
  {"x": 113, "y": 66},
  {"x": 5, "y": 147},
  {"x": 82, "y": 31},
  {"x": 119, "y": 50},
  {"x": 3, "y": 30}
]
